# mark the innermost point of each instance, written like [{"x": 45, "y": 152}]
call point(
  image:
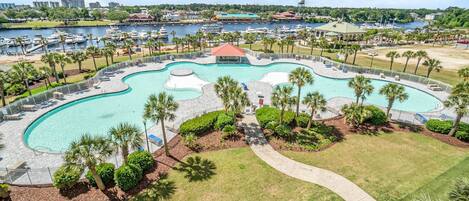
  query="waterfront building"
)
[
  {"x": 73, "y": 3},
  {"x": 286, "y": 16},
  {"x": 95, "y": 5},
  {"x": 339, "y": 30},
  {"x": 171, "y": 17},
  {"x": 113, "y": 4},
  {"x": 236, "y": 17},
  {"x": 140, "y": 17},
  {"x": 7, "y": 5}
]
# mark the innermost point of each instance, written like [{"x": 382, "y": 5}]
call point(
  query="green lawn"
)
[
  {"x": 445, "y": 75},
  {"x": 240, "y": 175},
  {"x": 390, "y": 166}
]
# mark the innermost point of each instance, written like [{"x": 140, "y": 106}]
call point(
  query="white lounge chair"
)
[
  {"x": 381, "y": 75},
  {"x": 10, "y": 117},
  {"x": 397, "y": 78}
]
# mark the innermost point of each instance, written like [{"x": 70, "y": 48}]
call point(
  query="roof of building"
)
[
  {"x": 237, "y": 16},
  {"x": 286, "y": 15},
  {"x": 340, "y": 27},
  {"x": 227, "y": 50}
]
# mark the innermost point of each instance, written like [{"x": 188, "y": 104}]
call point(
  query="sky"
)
[{"x": 330, "y": 3}]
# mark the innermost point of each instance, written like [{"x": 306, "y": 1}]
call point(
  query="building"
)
[
  {"x": 339, "y": 30},
  {"x": 433, "y": 16},
  {"x": 286, "y": 16},
  {"x": 140, "y": 17},
  {"x": 48, "y": 4},
  {"x": 228, "y": 53},
  {"x": 54, "y": 4},
  {"x": 73, "y": 3},
  {"x": 171, "y": 17},
  {"x": 113, "y": 5},
  {"x": 7, "y": 5},
  {"x": 95, "y": 5},
  {"x": 236, "y": 17}
]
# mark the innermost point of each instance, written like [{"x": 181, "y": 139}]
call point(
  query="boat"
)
[
  {"x": 154, "y": 34},
  {"x": 37, "y": 39},
  {"x": 163, "y": 33},
  {"x": 134, "y": 35},
  {"x": 260, "y": 31},
  {"x": 144, "y": 35},
  {"x": 215, "y": 28}
]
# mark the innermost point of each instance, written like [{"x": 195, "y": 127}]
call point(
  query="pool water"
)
[{"x": 55, "y": 130}]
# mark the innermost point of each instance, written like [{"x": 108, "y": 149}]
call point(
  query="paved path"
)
[{"x": 334, "y": 182}]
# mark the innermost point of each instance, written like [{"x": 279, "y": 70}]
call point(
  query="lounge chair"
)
[
  {"x": 105, "y": 78},
  {"x": 381, "y": 75},
  {"x": 245, "y": 87},
  {"x": 30, "y": 108},
  {"x": 397, "y": 78},
  {"x": 155, "y": 140},
  {"x": 421, "y": 118},
  {"x": 10, "y": 117}
]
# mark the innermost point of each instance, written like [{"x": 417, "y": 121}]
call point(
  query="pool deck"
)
[{"x": 15, "y": 149}]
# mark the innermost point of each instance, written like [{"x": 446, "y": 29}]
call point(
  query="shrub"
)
[
  {"x": 229, "y": 131},
  {"x": 199, "y": 125},
  {"x": 302, "y": 120},
  {"x": 439, "y": 126},
  {"x": 271, "y": 125},
  {"x": 377, "y": 117},
  {"x": 460, "y": 190},
  {"x": 66, "y": 176},
  {"x": 265, "y": 115},
  {"x": 143, "y": 159},
  {"x": 223, "y": 120},
  {"x": 462, "y": 135},
  {"x": 105, "y": 171},
  {"x": 4, "y": 191},
  {"x": 190, "y": 141},
  {"x": 315, "y": 138},
  {"x": 128, "y": 176},
  {"x": 283, "y": 131}
]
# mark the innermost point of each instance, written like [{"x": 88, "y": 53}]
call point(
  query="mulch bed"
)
[{"x": 82, "y": 191}]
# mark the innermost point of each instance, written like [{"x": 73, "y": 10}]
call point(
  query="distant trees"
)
[{"x": 117, "y": 15}]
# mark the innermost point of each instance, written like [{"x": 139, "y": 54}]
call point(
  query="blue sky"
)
[{"x": 330, "y": 3}]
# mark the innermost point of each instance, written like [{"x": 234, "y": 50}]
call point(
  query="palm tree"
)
[
  {"x": 222, "y": 89},
  {"x": 432, "y": 64},
  {"x": 237, "y": 99},
  {"x": 112, "y": 50},
  {"x": 43, "y": 41},
  {"x": 159, "y": 108},
  {"x": 346, "y": 51},
  {"x": 312, "y": 42},
  {"x": 460, "y": 101},
  {"x": 281, "y": 43},
  {"x": 420, "y": 55},
  {"x": 149, "y": 44},
  {"x": 50, "y": 59},
  {"x": 393, "y": 92},
  {"x": 63, "y": 60},
  {"x": 392, "y": 55},
  {"x": 316, "y": 102},
  {"x": 323, "y": 44},
  {"x": 46, "y": 72},
  {"x": 300, "y": 77},
  {"x": 361, "y": 86},
  {"x": 88, "y": 152},
  {"x": 355, "y": 114},
  {"x": 464, "y": 73},
  {"x": 90, "y": 37},
  {"x": 93, "y": 51},
  {"x": 128, "y": 44},
  {"x": 106, "y": 53},
  {"x": 125, "y": 136},
  {"x": 23, "y": 71},
  {"x": 408, "y": 55},
  {"x": 3, "y": 80},
  {"x": 355, "y": 48},
  {"x": 250, "y": 38},
  {"x": 177, "y": 42},
  {"x": 78, "y": 58},
  {"x": 20, "y": 41},
  {"x": 281, "y": 98},
  {"x": 62, "y": 41}
]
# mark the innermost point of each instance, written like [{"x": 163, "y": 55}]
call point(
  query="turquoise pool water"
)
[{"x": 54, "y": 131}]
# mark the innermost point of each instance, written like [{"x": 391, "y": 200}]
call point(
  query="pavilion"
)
[
  {"x": 339, "y": 30},
  {"x": 228, "y": 53}
]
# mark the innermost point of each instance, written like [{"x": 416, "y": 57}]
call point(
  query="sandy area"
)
[{"x": 450, "y": 57}]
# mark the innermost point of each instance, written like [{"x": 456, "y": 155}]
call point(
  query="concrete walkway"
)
[{"x": 334, "y": 182}]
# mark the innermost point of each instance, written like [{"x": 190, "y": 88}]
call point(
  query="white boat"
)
[
  {"x": 37, "y": 39},
  {"x": 212, "y": 28},
  {"x": 144, "y": 35},
  {"x": 69, "y": 40},
  {"x": 154, "y": 34},
  {"x": 163, "y": 33},
  {"x": 261, "y": 31},
  {"x": 80, "y": 39},
  {"x": 134, "y": 35}
]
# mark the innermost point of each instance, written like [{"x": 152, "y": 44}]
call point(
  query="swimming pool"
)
[{"x": 55, "y": 130}]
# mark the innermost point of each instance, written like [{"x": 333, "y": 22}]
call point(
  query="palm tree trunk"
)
[
  {"x": 281, "y": 115},
  {"x": 63, "y": 73},
  {"x": 56, "y": 75},
  {"x": 388, "y": 109},
  {"x": 79, "y": 66},
  {"x": 417, "y": 66},
  {"x": 26, "y": 84},
  {"x": 2, "y": 93},
  {"x": 312, "y": 49},
  {"x": 94, "y": 62},
  {"x": 357, "y": 99},
  {"x": 455, "y": 125},
  {"x": 125, "y": 152},
  {"x": 310, "y": 119},
  {"x": 406, "y": 63},
  {"x": 390, "y": 66},
  {"x": 354, "y": 58},
  {"x": 428, "y": 73},
  {"x": 107, "y": 60},
  {"x": 97, "y": 178},
  {"x": 166, "y": 148},
  {"x": 298, "y": 101},
  {"x": 130, "y": 53},
  {"x": 63, "y": 47},
  {"x": 112, "y": 58}
]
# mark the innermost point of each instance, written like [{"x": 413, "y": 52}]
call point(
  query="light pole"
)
[{"x": 146, "y": 135}]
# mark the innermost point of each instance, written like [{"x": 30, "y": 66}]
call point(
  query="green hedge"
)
[
  {"x": 283, "y": 131},
  {"x": 315, "y": 138},
  {"x": 223, "y": 120},
  {"x": 378, "y": 116},
  {"x": 128, "y": 176},
  {"x": 266, "y": 114},
  {"x": 66, "y": 176},
  {"x": 199, "y": 125},
  {"x": 462, "y": 135},
  {"x": 302, "y": 120},
  {"x": 105, "y": 171},
  {"x": 143, "y": 159},
  {"x": 439, "y": 126}
]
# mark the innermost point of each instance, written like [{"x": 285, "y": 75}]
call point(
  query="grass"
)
[
  {"x": 240, "y": 175},
  {"x": 445, "y": 75},
  {"x": 439, "y": 188},
  {"x": 388, "y": 166},
  {"x": 52, "y": 24}
]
